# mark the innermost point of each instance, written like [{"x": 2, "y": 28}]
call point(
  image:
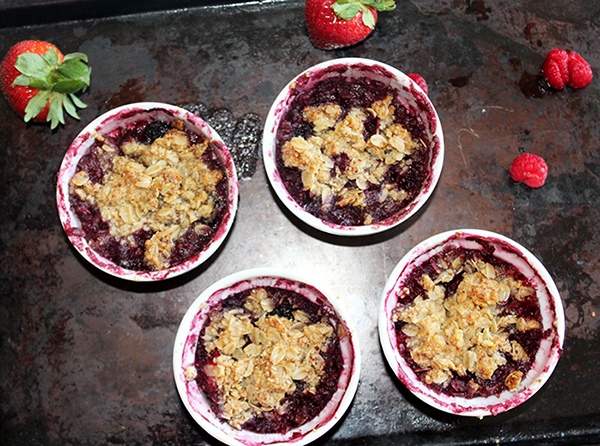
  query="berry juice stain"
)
[
  {"x": 460, "y": 81},
  {"x": 241, "y": 136},
  {"x": 478, "y": 8},
  {"x": 532, "y": 85}
]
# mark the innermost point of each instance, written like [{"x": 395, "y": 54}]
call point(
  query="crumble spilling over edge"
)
[
  {"x": 467, "y": 331},
  {"x": 262, "y": 358},
  {"x": 164, "y": 187},
  {"x": 368, "y": 161}
]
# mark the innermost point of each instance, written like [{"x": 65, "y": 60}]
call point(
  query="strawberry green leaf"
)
[
  {"x": 51, "y": 57},
  {"x": 69, "y": 107},
  {"x": 78, "y": 56},
  {"x": 383, "y": 5},
  {"x": 36, "y": 104},
  {"x": 73, "y": 66},
  {"x": 32, "y": 65},
  {"x": 55, "y": 114},
  {"x": 73, "y": 70},
  {"x": 28, "y": 81},
  {"x": 68, "y": 86},
  {"x": 367, "y": 17},
  {"x": 345, "y": 11},
  {"x": 78, "y": 103}
]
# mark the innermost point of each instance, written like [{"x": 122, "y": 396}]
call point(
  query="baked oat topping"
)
[
  {"x": 261, "y": 358},
  {"x": 163, "y": 187},
  {"x": 366, "y": 162},
  {"x": 466, "y": 331},
  {"x": 190, "y": 373}
]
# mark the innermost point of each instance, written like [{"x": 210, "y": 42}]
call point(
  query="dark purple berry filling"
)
[
  {"x": 470, "y": 385},
  {"x": 300, "y": 406},
  {"x": 351, "y": 93},
  {"x": 130, "y": 253}
]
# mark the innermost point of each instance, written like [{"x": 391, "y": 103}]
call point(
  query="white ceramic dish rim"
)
[
  {"x": 548, "y": 354},
  {"x": 80, "y": 147},
  {"x": 185, "y": 347},
  {"x": 269, "y": 142}
]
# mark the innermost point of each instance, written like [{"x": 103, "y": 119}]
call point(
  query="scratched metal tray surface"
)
[{"x": 85, "y": 358}]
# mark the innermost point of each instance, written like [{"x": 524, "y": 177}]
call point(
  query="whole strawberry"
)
[
  {"x": 529, "y": 169},
  {"x": 40, "y": 83},
  {"x": 335, "y": 24}
]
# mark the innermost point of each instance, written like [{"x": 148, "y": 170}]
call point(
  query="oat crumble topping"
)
[
  {"x": 262, "y": 358},
  {"x": 190, "y": 373},
  {"x": 368, "y": 161},
  {"x": 164, "y": 187},
  {"x": 466, "y": 331}
]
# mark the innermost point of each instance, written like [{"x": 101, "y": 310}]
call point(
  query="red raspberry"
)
[
  {"x": 529, "y": 169},
  {"x": 556, "y": 69},
  {"x": 580, "y": 72},
  {"x": 420, "y": 81}
]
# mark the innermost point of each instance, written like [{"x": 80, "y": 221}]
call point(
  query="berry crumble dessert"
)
[
  {"x": 350, "y": 152},
  {"x": 268, "y": 359},
  {"x": 468, "y": 323},
  {"x": 150, "y": 195}
]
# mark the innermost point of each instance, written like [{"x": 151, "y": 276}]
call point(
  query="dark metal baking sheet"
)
[{"x": 85, "y": 359}]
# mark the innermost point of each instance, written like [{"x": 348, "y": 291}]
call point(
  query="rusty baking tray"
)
[{"x": 85, "y": 359}]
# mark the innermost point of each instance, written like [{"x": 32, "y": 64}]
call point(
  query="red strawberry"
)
[
  {"x": 335, "y": 24},
  {"x": 555, "y": 69},
  {"x": 580, "y": 73},
  {"x": 419, "y": 81},
  {"x": 38, "y": 81}
]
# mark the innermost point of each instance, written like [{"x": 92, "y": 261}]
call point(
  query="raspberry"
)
[
  {"x": 580, "y": 72},
  {"x": 556, "y": 69},
  {"x": 529, "y": 169},
  {"x": 420, "y": 81}
]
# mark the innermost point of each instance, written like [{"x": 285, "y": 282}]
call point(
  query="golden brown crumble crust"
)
[
  {"x": 163, "y": 187},
  {"x": 368, "y": 160},
  {"x": 465, "y": 332},
  {"x": 262, "y": 358}
]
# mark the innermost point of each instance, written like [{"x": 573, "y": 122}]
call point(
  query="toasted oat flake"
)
[
  {"x": 164, "y": 187},
  {"x": 261, "y": 358},
  {"x": 513, "y": 380},
  {"x": 367, "y": 163},
  {"x": 190, "y": 373},
  {"x": 466, "y": 331}
]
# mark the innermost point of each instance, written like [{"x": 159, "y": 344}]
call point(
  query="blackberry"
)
[{"x": 155, "y": 130}]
